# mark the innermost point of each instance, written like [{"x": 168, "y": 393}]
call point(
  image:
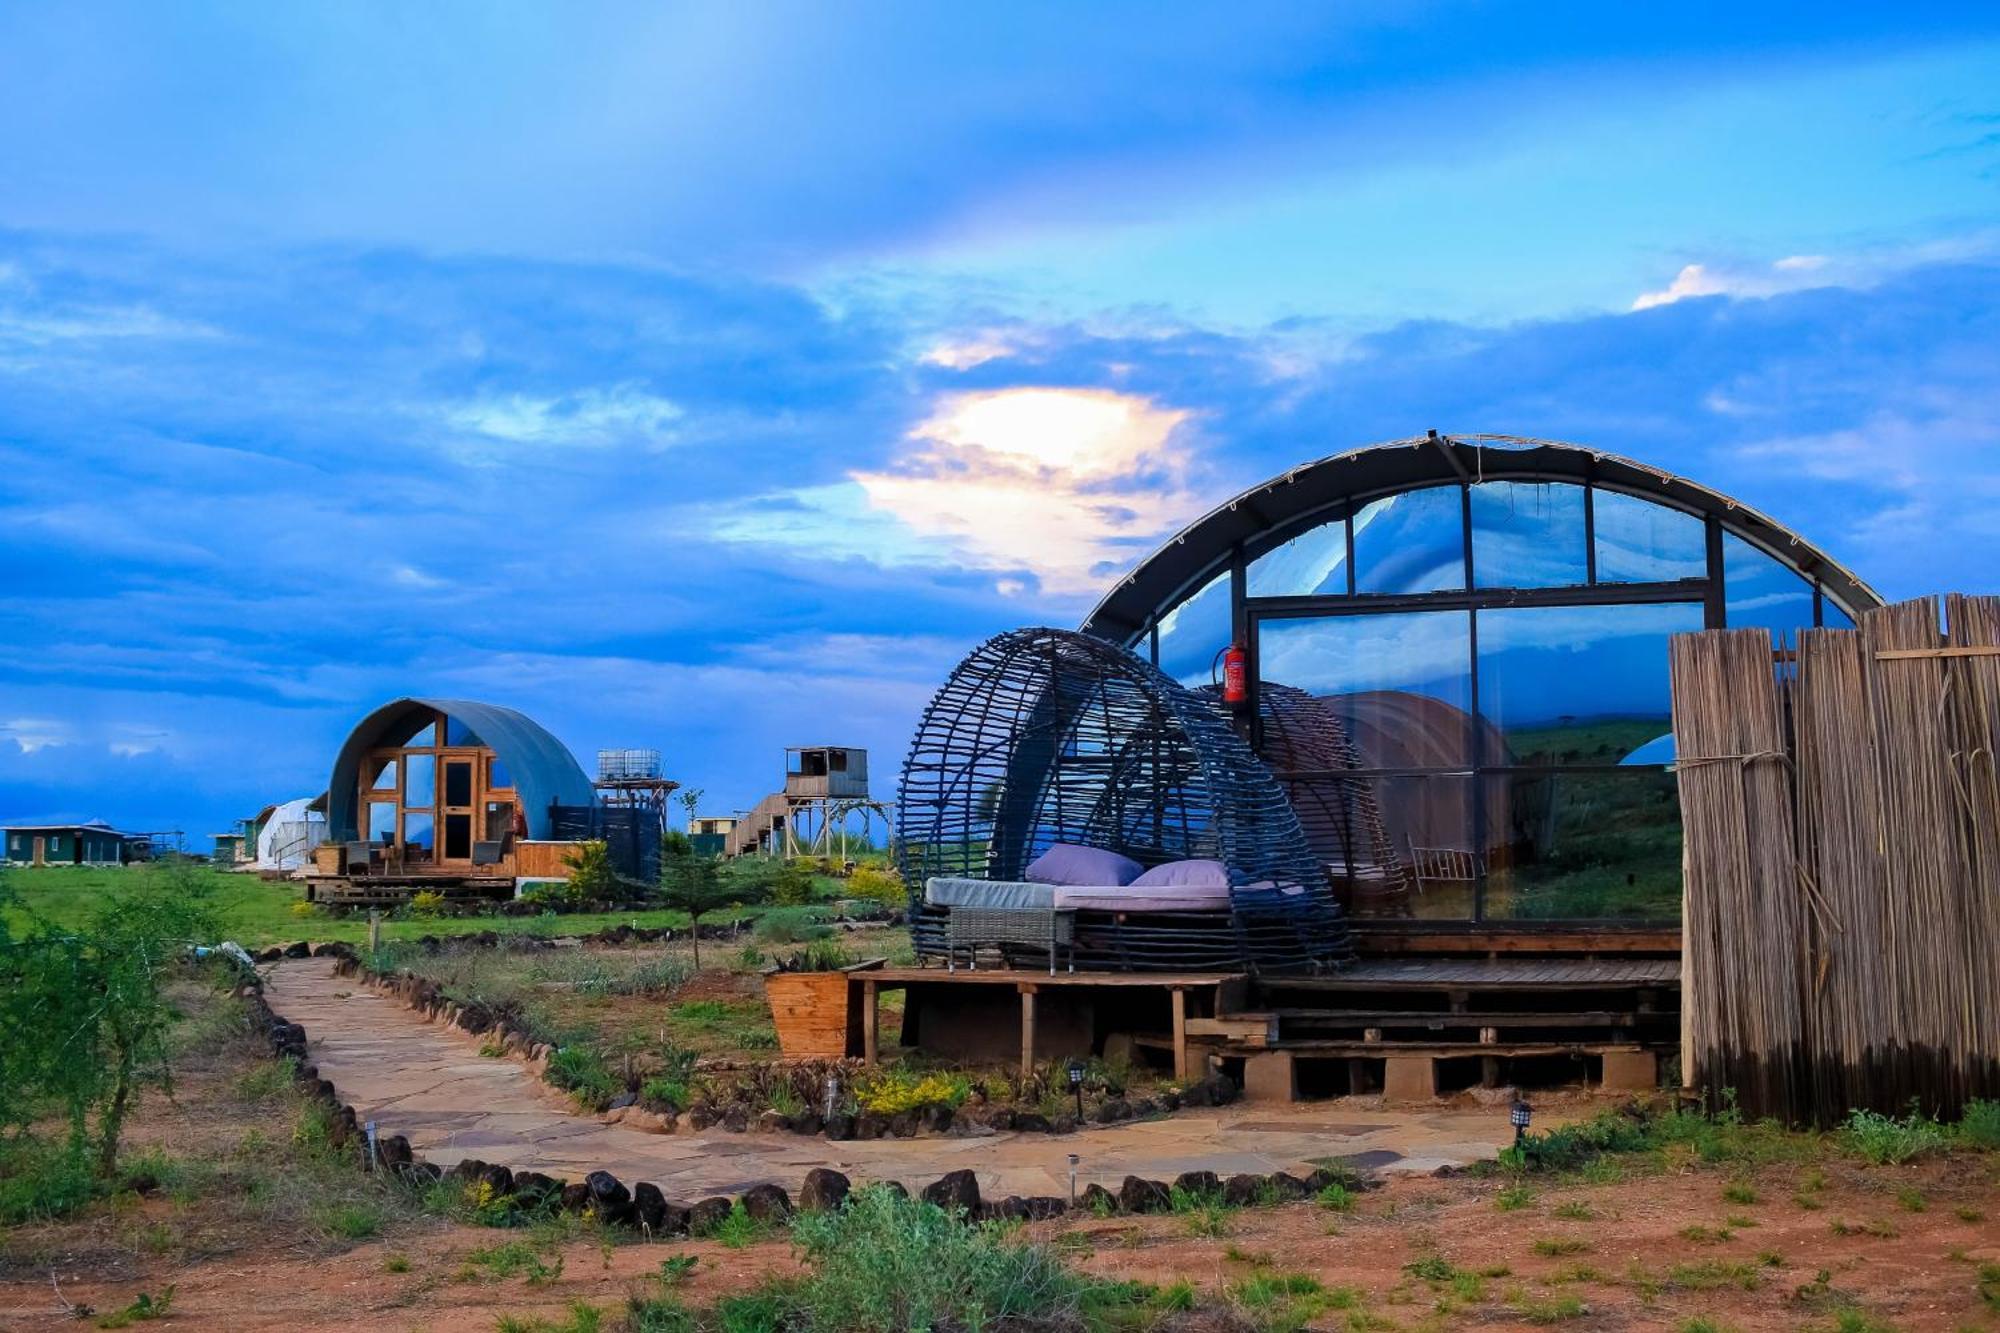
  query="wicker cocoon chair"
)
[{"x": 1045, "y": 736}]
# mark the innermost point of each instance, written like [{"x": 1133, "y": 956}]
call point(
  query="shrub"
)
[
  {"x": 426, "y": 904},
  {"x": 581, "y": 1072},
  {"x": 1980, "y": 1125},
  {"x": 1889, "y": 1141},
  {"x": 791, "y": 926},
  {"x": 886, "y": 1264},
  {"x": 878, "y": 886},
  {"x": 592, "y": 877},
  {"x": 85, "y": 1018},
  {"x": 792, "y": 885},
  {"x": 897, "y": 1090},
  {"x": 351, "y": 1221},
  {"x": 824, "y": 956}
]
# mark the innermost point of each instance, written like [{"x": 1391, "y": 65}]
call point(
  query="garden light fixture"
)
[{"x": 1519, "y": 1117}]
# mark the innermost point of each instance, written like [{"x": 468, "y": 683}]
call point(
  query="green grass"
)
[{"x": 255, "y": 913}]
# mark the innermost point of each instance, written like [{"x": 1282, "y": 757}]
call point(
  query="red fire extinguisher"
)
[{"x": 1235, "y": 675}]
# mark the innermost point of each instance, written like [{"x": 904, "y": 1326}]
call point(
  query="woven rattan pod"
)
[{"x": 1043, "y": 736}]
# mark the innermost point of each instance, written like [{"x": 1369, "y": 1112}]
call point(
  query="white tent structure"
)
[{"x": 289, "y": 835}]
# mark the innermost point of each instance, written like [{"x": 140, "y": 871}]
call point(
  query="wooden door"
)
[{"x": 458, "y": 797}]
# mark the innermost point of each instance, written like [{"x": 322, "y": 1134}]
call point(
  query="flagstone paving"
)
[{"x": 431, "y": 1084}]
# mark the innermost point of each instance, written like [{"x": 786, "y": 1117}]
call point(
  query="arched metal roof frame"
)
[
  {"x": 1274, "y": 512},
  {"x": 545, "y": 773}
]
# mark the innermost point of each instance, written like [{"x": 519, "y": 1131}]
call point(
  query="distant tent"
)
[
  {"x": 1659, "y": 750},
  {"x": 289, "y": 834}
]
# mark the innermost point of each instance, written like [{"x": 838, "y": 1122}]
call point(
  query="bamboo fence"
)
[{"x": 1842, "y": 910}]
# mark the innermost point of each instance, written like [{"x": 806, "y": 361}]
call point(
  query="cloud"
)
[
  {"x": 592, "y": 418},
  {"x": 1049, "y": 488},
  {"x": 1741, "y": 280}
]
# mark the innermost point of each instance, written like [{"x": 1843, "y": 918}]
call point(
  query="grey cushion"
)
[{"x": 945, "y": 891}]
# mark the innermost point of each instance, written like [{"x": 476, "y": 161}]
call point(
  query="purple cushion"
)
[
  {"x": 1066, "y": 863},
  {"x": 1185, "y": 874}
]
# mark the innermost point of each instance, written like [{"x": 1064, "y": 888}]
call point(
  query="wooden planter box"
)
[{"x": 815, "y": 1014}]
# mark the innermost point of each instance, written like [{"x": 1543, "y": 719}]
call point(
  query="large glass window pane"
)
[
  {"x": 457, "y": 733},
  {"x": 1576, "y": 684},
  {"x": 458, "y": 782},
  {"x": 1375, "y": 833},
  {"x": 1528, "y": 535},
  {"x": 425, "y": 735},
  {"x": 1413, "y": 542},
  {"x": 1642, "y": 542},
  {"x": 458, "y": 837},
  {"x": 499, "y": 779},
  {"x": 1759, "y": 591},
  {"x": 1401, "y": 683},
  {"x": 381, "y": 820},
  {"x": 419, "y": 783},
  {"x": 416, "y": 833},
  {"x": 1312, "y": 563},
  {"x": 385, "y": 777},
  {"x": 1587, "y": 846},
  {"x": 1194, "y": 632}
]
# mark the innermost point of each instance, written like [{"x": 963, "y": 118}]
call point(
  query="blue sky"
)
[{"x": 712, "y": 377}]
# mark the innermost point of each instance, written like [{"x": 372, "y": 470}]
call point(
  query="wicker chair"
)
[{"x": 1043, "y": 736}]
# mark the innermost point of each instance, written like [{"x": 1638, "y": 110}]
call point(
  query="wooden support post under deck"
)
[
  {"x": 1027, "y": 1030},
  {"x": 1180, "y": 1036},
  {"x": 871, "y": 1022}
]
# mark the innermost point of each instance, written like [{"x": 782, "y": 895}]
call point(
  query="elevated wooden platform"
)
[{"x": 1488, "y": 974}]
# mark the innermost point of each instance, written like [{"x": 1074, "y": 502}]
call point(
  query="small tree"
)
[
  {"x": 693, "y": 884},
  {"x": 85, "y": 1015},
  {"x": 690, "y": 799}
]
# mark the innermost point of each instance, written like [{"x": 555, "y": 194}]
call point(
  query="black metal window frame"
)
[{"x": 1248, "y": 614}]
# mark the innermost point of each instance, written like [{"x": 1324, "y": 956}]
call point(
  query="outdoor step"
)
[{"x": 1236, "y": 1027}]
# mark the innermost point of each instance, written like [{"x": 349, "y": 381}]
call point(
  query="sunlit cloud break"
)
[{"x": 1050, "y": 489}]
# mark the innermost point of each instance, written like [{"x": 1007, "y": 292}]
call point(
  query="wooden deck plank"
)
[{"x": 998, "y": 976}]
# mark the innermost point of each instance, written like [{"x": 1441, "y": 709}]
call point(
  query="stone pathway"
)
[{"x": 432, "y": 1085}]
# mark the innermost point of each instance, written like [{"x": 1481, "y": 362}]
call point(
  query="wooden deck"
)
[{"x": 1489, "y": 974}]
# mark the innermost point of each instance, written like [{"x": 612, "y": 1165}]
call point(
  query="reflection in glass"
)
[
  {"x": 416, "y": 833},
  {"x": 419, "y": 785},
  {"x": 1312, "y": 563},
  {"x": 1607, "y": 846},
  {"x": 1757, "y": 590},
  {"x": 385, "y": 777},
  {"x": 501, "y": 779},
  {"x": 1194, "y": 632},
  {"x": 381, "y": 820},
  {"x": 1412, "y": 542},
  {"x": 1374, "y": 833},
  {"x": 425, "y": 735},
  {"x": 457, "y": 733},
  {"x": 1528, "y": 535},
  {"x": 1401, "y": 683},
  {"x": 499, "y": 820},
  {"x": 1576, "y": 684},
  {"x": 1642, "y": 542}
]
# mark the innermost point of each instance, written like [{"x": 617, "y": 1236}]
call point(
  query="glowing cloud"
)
[{"x": 1048, "y": 489}]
